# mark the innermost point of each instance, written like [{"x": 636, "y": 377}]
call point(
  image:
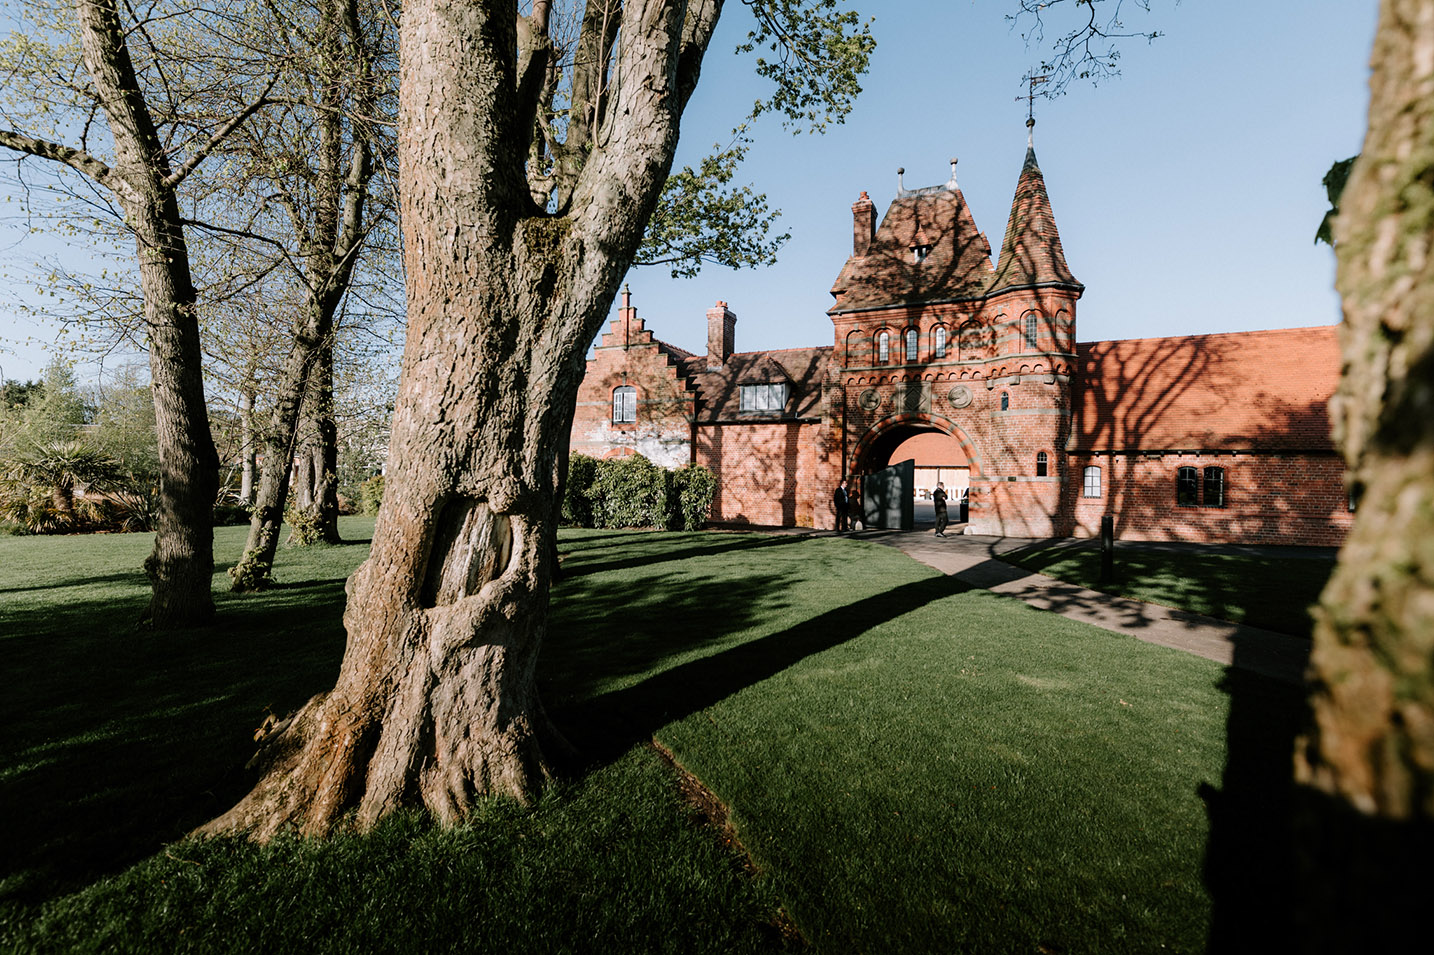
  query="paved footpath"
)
[{"x": 976, "y": 561}]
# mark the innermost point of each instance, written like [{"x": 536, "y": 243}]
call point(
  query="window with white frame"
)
[
  {"x": 912, "y": 338},
  {"x": 624, "y": 405},
  {"x": 883, "y": 347},
  {"x": 1032, "y": 330},
  {"x": 769, "y": 396},
  {"x": 920, "y": 252},
  {"x": 1042, "y": 464},
  {"x": 1090, "y": 484},
  {"x": 938, "y": 341}
]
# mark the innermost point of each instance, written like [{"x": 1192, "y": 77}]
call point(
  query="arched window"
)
[
  {"x": 1214, "y": 487},
  {"x": 1005, "y": 401},
  {"x": 624, "y": 404},
  {"x": 912, "y": 338},
  {"x": 853, "y": 348},
  {"x": 883, "y": 347},
  {"x": 1041, "y": 464},
  {"x": 1032, "y": 329},
  {"x": 938, "y": 341},
  {"x": 1187, "y": 487},
  {"x": 1090, "y": 482}
]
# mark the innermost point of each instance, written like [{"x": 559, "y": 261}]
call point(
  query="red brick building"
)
[{"x": 970, "y": 368}]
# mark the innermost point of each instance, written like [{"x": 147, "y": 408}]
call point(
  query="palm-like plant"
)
[{"x": 39, "y": 485}]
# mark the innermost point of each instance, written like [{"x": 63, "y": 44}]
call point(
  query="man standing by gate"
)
[
  {"x": 938, "y": 498},
  {"x": 841, "y": 503}
]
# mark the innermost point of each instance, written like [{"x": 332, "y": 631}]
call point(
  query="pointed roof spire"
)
[{"x": 1031, "y": 252}]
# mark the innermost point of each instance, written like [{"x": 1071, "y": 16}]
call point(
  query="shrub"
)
[
  {"x": 42, "y": 488},
  {"x": 370, "y": 494},
  {"x": 690, "y": 499},
  {"x": 577, "y": 500},
  {"x": 629, "y": 492}
]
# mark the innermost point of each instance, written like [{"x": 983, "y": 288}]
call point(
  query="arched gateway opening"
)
[{"x": 936, "y": 455}]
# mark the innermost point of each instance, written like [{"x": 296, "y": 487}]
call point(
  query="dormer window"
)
[
  {"x": 769, "y": 396},
  {"x": 919, "y": 253}
]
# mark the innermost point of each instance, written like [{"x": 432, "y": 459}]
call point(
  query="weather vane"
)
[{"x": 1030, "y": 97}]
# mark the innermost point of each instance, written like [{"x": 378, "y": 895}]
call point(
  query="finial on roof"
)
[
  {"x": 900, "y": 171},
  {"x": 1030, "y": 132},
  {"x": 626, "y": 296},
  {"x": 952, "y": 183}
]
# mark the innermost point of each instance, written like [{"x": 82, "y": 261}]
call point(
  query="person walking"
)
[
  {"x": 938, "y": 498},
  {"x": 841, "y": 503}
]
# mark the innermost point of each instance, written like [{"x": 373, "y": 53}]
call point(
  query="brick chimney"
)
[
  {"x": 721, "y": 334},
  {"x": 627, "y": 315},
  {"x": 863, "y": 225}
]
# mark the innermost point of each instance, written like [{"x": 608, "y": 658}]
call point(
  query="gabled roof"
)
[
  {"x": 1265, "y": 390},
  {"x": 958, "y": 265},
  {"x": 718, "y": 390},
  {"x": 1031, "y": 251}
]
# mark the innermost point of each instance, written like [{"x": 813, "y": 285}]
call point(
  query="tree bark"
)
[
  {"x": 1367, "y": 760},
  {"x": 435, "y": 703}
]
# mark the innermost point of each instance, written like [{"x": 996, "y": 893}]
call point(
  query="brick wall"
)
[
  {"x": 768, "y": 474},
  {"x": 1269, "y": 499}
]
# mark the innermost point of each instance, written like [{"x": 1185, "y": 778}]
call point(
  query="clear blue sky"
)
[{"x": 1187, "y": 191}]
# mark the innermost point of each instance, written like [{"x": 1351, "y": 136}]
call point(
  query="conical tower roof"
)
[{"x": 1031, "y": 252}]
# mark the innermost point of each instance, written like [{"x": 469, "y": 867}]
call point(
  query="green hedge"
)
[{"x": 634, "y": 492}]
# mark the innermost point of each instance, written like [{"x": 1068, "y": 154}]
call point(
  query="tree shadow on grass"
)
[
  {"x": 117, "y": 742},
  {"x": 579, "y": 561},
  {"x": 605, "y": 726}
]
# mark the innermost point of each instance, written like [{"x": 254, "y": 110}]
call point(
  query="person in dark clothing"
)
[
  {"x": 841, "y": 503},
  {"x": 938, "y": 498}
]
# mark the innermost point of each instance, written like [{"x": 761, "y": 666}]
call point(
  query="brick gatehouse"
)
[{"x": 971, "y": 369}]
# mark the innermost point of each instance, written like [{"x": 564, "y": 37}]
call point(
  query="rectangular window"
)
[
  {"x": 1214, "y": 487},
  {"x": 770, "y": 396},
  {"x": 1091, "y": 485},
  {"x": 1187, "y": 487},
  {"x": 1031, "y": 331}
]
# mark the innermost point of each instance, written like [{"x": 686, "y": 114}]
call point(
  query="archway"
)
[{"x": 938, "y": 455}]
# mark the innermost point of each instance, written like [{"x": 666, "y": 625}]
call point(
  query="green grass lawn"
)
[
  {"x": 910, "y": 766},
  {"x": 1274, "y": 594}
]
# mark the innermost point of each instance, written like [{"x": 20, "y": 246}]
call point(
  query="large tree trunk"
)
[
  {"x": 182, "y": 562},
  {"x": 1367, "y": 762},
  {"x": 435, "y": 702}
]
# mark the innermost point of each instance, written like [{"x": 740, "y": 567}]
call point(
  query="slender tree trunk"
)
[
  {"x": 331, "y": 246},
  {"x": 324, "y": 448},
  {"x": 182, "y": 562},
  {"x": 1367, "y": 762},
  {"x": 435, "y": 702},
  {"x": 246, "y": 444},
  {"x": 254, "y": 571}
]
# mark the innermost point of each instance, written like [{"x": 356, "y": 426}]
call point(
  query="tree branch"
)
[{"x": 68, "y": 156}]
